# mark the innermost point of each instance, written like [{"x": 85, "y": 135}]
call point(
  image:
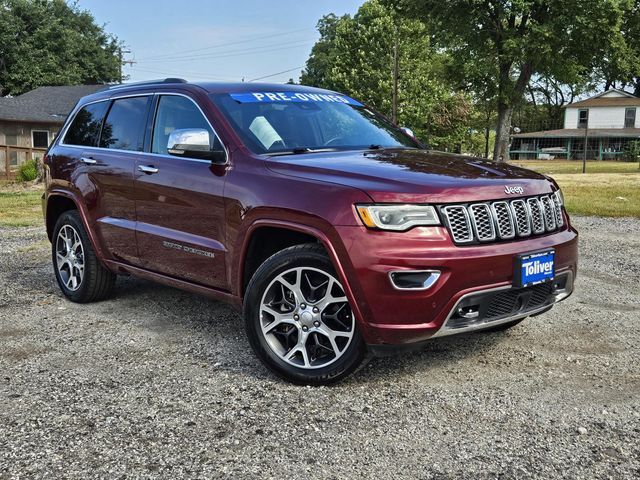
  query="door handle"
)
[
  {"x": 147, "y": 169},
  {"x": 88, "y": 161}
]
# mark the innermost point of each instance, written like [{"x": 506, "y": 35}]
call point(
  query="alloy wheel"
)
[
  {"x": 305, "y": 318},
  {"x": 70, "y": 257}
]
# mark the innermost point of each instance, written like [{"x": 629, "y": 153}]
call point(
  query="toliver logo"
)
[{"x": 536, "y": 267}]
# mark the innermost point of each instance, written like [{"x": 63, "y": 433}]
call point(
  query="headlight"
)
[{"x": 397, "y": 217}]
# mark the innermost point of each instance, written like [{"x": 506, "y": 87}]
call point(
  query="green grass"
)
[
  {"x": 608, "y": 189},
  {"x": 20, "y": 209},
  {"x": 552, "y": 167}
]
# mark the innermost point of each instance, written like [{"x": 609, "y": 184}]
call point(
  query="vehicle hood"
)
[{"x": 414, "y": 176}]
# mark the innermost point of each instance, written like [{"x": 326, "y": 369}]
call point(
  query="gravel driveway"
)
[{"x": 160, "y": 383}]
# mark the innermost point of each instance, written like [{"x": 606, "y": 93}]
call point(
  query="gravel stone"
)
[{"x": 160, "y": 383}]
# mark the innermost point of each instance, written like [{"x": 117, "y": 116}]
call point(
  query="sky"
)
[{"x": 216, "y": 40}]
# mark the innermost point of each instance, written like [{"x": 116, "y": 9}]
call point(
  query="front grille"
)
[{"x": 503, "y": 220}]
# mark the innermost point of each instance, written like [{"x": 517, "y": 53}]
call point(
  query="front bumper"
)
[{"x": 394, "y": 317}]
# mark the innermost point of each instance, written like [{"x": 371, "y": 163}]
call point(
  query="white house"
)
[{"x": 608, "y": 121}]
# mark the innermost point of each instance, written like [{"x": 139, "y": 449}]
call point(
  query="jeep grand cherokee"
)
[{"x": 334, "y": 231}]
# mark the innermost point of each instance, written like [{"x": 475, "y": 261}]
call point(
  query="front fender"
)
[{"x": 332, "y": 243}]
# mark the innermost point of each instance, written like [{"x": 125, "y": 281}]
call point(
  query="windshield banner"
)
[{"x": 299, "y": 97}]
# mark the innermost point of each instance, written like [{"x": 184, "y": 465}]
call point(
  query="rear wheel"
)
[
  {"x": 298, "y": 319},
  {"x": 79, "y": 273}
]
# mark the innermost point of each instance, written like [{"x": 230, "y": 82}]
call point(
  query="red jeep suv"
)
[{"x": 334, "y": 231}]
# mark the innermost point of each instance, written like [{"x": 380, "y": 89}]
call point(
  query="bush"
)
[
  {"x": 632, "y": 152},
  {"x": 28, "y": 171}
]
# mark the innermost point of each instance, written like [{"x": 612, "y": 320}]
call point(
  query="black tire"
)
[
  {"x": 502, "y": 327},
  {"x": 307, "y": 255},
  {"x": 97, "y": 282}
]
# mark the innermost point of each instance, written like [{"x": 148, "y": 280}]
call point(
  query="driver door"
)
[{"x": 179, "y": 201}]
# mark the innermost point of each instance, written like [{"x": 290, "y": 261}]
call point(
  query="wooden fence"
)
[{"x": 7, "y": 170}]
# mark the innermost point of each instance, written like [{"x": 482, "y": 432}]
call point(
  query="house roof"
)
[
  {"x": 44, "y": 104},
  {"x": 606, "y": 102},
  {"x": 610, "y": 98},
  {"x": 580, "y": 132}
]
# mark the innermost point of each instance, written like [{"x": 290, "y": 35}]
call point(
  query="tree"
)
[
  {"x": 356, "y": 55},
  {"x": 51, "y": 42},
  {"x": 621, "y": 64},
  {"x": 499, "y": 45}
]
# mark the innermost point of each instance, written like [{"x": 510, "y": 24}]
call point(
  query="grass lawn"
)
[
  {"x": 20, "y": 208},
  {"x": 554, "y": 167},
  {"x": 608, "y": 189}
]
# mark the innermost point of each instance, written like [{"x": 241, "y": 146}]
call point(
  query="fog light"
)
[{"x": 414, "y": 279}]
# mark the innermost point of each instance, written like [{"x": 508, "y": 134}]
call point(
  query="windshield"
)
[{"x": 276, "y": 123}]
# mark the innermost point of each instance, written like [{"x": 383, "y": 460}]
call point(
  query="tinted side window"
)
[
  {"x": 176, "y": 113},
  {"x": 125, "y": 123},
  {"x": 85, "y": 128}
]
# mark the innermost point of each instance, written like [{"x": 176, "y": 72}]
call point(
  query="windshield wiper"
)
[{"x": 300, "y": 150}]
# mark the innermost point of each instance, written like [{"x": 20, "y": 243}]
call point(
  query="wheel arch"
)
[
  {"x": 310, "y": 233},
  {"x": 59, "y": 202}
]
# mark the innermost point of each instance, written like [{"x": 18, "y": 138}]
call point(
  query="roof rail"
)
[{"x": 148, "y": 82}]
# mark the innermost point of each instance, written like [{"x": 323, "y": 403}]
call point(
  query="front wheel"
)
[{"x": 298, "y": 319}]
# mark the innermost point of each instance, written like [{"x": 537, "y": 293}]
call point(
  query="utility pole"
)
[
  {"x": 394, "y": 108},
  {"x": 487, "y": 134},
  {"x": 586, "y": 140},
  {"x": 122, "y": 62}
]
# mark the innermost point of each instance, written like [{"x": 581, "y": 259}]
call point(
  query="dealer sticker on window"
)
[
  {"x": 295, "y": 97},
  {"x": 534, "y": 268}
]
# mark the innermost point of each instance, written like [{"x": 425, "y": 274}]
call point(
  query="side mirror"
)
[
  {"x": 408, "y": 131},
  {"x": 194, "y": 143}
]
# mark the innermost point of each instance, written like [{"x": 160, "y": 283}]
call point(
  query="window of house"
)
[
  {"x": 85, "y": 128},
  {"x": 630, "y": 117},
  {"x": 11, "y": 139},
  {"x": 583, "y": 118},
  {"x": 125, "y": 123},
  {"x": 40, "y": 138},
  {"x": 176, "y": 113}
]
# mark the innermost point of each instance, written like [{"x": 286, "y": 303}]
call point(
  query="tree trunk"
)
[{"x": 503, "y": 130}]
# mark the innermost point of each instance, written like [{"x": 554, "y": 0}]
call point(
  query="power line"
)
[
  {"x": 226, "y": 44},
  {"x": 274, "y": 74},
  {"x": 262, "y": 49},
  {"x": 187, "y": 73}
]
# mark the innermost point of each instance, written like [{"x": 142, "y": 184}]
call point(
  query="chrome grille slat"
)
[
  {"x": 482, "y": 222},
  {"x": 503, "y": 219},
  {"x": 535, "y": 214},
  {"x": 502, "y": 216},
  {"x": 557, "y": 209},
  {"x": 523, "y": 224},
  {"x": 548, "y": 212},
  {"x": 459, "y": 224}
]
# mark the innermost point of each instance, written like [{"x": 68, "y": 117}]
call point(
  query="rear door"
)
[
  {"x": 179, "y": 201},
  {"x": 105, "y": 154}
]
